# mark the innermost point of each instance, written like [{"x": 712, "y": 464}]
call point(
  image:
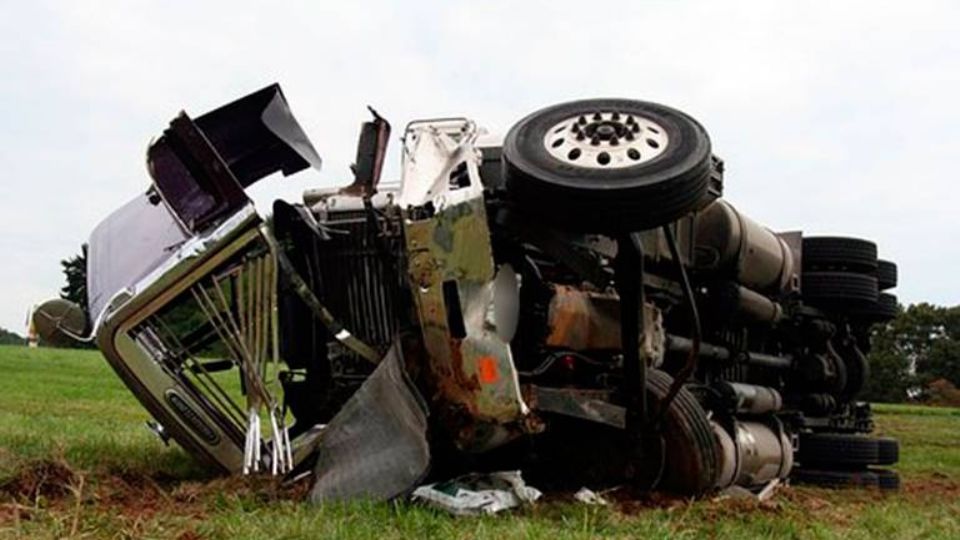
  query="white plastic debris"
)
[
  {"x": 767, "y": 492},
  {"x": 588, "y": 496},
  {"x": 475, "y": 494},
  {"x": 764, "y": 494}
]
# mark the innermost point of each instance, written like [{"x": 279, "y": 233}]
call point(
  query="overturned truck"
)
[{"x": 575, "y": 300}]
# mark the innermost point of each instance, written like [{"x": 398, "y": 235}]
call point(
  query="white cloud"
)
[{"x": 838, "y": 118}]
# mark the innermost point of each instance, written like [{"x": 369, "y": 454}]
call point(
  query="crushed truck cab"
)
[{"x": 576, "y": 299}]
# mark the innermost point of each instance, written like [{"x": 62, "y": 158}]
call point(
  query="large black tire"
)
[
  {"x": 836, "y": 450},
  {"x": 884, "y": 309},
  {"x": 838, "y": 289},
  {"x": 886, "y": 274},
  {"x": 888, "y": 451},
  {"x": 835, "y": 479},
  {"x": 838, "y": 253},
  {"x": 887, "y": 480},
  {"x": 586, "y": 196},
  {"x": 692, "y": 453}
]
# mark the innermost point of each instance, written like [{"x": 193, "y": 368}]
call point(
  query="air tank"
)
[
  {"x": 729, "y": 242},
  {"x": 754, "y": 454}
]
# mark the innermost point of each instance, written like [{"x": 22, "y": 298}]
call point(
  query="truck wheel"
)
[
  {"x": 886, "y": 274},
  {"x": 887, "y": 480},
  {"x": 884, "y": 309},
  {"x": 838, "y": 289},
  {"x": 605, "y": 165},
  {"x": 692, "y": 453},
  {"x": 887, "y": 306},
  {"x": 836, "y": 450},
  {"x": 888, "y": 451},
  {"x": 835, "y": 479},
  {"x": 839, "y": 253}
]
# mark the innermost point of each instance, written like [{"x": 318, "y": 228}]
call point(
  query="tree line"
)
[{"x": 917, "y": 356}]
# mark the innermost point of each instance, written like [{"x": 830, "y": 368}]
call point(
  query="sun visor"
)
[{"x": 257, "y": 135}]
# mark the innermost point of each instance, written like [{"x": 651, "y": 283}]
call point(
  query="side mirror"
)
[
  {"x": 60, "y": 322},
  {"x": 371, "y": 149}
]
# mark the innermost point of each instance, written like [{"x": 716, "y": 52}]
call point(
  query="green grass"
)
[{"x": 68, "y": 408}]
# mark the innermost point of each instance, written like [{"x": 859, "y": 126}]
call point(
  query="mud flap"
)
[{"x": 376, "y": 446}]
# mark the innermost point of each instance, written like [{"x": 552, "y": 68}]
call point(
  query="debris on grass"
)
[
  {"x": 476, "y": 494},
  {"x": 588, "y": 496}
]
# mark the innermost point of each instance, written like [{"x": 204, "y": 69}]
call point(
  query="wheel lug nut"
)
[
  {"x": 635, "y": 128},
  {"x": 581, "y": 136},
  {"x": 582, "y": 120},
  {"x": 575, "y": 128},
  {"x": 630, "y": 120},
  {"x": 597, "y": 116},
  {"x": 629, "y": 135},
  {"x": 614, "y": 141},
  {"x": 595, "y": 141},
  {"x": 615, "y": 116}
]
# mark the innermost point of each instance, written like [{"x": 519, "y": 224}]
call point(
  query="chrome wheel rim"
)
[{"x": 606, "y": 140}]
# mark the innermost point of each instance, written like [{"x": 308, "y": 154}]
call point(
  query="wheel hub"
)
[{"x": 606, "y": 140}]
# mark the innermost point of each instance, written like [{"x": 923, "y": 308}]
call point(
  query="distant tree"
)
[
  {"x": 943, "y": 358},
  {"x": 10, "y": 338},
  {"x": 891, "y": 375},
  {"x": 75, "y": 270},
  {"x": 920, "y": 346}
]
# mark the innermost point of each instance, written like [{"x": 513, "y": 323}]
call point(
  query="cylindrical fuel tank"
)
[
  {"x": 727, "y": 240},
  {"x": 755, "y": 455}
]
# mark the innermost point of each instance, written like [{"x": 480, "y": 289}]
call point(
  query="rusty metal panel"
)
[
  {"x": 581, "y": 320},
  {"x": 452, "y": 275},
  {"x": 587, "y": 320},
  {"x": 475, "y": 370},
  {"x": 586, "y": 404}
]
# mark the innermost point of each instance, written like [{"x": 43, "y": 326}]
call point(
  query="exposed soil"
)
[
  {"x": 55, "y": 486},
  {"x": 937, "y": 486},
  {"x": 48, "y": 479},
  {"x": 135, "y": 498}
]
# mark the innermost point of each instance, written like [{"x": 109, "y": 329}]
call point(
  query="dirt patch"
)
[
  {"x": 142, "y": 496},
  {"x": 134, "y": 495},
  {"x": 936, "y": 486},
  {"x": 132, "y": 498},
  {"x": 629, "y": 501},
  {"x": 51, "y": 480}
]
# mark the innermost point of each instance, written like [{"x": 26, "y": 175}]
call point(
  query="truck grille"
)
[{"x": 360, "y": 285}]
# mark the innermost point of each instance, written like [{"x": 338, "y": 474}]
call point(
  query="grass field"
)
[{"x": 77, "y": 461}]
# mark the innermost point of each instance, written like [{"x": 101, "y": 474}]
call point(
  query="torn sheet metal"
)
[
  {"x": 376, "y": 446},
  {"x": 587, "y": 404},
  {"x": 432, "y": 151},
  {"x": 452, "y": 275},
  {"x": 257, "y": 135},
  {"x": 476, "y": 494},
  {"x": 200, "y": 167}
]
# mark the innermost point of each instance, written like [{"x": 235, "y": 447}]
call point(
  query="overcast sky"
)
[{"x": 831, "y": 118}]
